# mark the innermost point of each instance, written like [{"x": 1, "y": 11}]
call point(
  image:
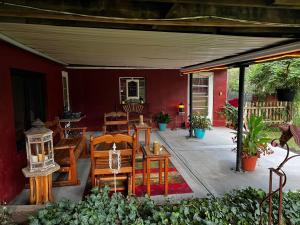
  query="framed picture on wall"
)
[{"x": 132, "y": 89}]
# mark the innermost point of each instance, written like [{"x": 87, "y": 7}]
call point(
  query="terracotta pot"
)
[{"x": 249, "y": 163}]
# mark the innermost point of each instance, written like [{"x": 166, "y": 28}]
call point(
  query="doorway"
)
[{"x": 28, "y": 91}]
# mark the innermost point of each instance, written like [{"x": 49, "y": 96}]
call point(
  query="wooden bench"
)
[
  {"x": 116, "y": 122},
  {"x": 67, "y": 150}
]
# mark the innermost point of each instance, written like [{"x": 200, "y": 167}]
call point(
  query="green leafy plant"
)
[
  {"x": 231, "y": 114},
  {"x": 5, "y": 216},
  {"x": 162, "y": 117},
  {"x": 199, "y": 121},
  {"x": 238, "y": 207},
  {"x": 254, "y": 139}
]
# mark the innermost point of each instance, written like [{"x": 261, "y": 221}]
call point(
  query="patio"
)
[{"x": 206, "y": 165}]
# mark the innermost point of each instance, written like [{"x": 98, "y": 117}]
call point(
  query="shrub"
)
[
  {"x": 5, "y": 216},
  {"x": 239, "y": 207}
]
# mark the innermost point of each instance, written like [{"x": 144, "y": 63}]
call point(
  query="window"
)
[
  {"x": 28, "y": 101},
  {"x": 132, "y": 89},
  {"x": 202, "y": 93},
  {"x": 65, "y": 85}
]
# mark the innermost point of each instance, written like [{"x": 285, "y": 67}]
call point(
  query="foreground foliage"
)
[
  {"x": 5, "y": 216},
  {"x": 240, "y": 207}
]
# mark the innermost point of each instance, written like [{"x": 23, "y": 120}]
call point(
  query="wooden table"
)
[
  {"x": 40, "y": 183},
  {"x": 149, "y": 156},
  {"x": 142, "y": 127}
]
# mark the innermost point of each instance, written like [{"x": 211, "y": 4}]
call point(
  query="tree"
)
[{"x": 265, "y": 78}]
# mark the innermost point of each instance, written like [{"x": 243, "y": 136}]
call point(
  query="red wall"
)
[
  {"x": 11, "y": 161},
  {"x": 220, "y": 91},
  {"x": 95, "y": 92}
]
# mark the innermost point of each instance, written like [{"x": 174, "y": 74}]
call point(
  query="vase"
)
[
  {"x": 249, "y": 163},
  {"x": 199, "y": 133},
  {"x": 162, "y": 126}
]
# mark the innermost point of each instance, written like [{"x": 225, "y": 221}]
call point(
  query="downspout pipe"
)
[{"x": 191, "y": 101}]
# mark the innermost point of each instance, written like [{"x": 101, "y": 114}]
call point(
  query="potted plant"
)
[
  {"x": 200, "y": 123},
  {"x": 162, "y": 119},
  {"x": 254, "y": 143},
  {"x": 231, "y": 114}
]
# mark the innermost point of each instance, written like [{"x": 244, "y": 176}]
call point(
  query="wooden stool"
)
[
  {"x": 40, "y": 183},
  {"x": 162, "y": 157}
]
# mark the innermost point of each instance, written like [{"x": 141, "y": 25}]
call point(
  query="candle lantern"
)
[
  {"x": 181, "y": 108},
  {"x": 39, "y": 147}
]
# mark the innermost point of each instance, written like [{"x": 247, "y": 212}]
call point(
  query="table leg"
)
[
  {"x": 50, "y": 187},
  {"x": 147, "y": 137},
  {"x": 148, "y": 176},
  {"x": 144, "y": 171},
  {"x": 160, "y": 171},
  {"x": 38, "y": 191},
  {"x": 32, "y": 190},
  {"x": 45, "y": 189},
  {"x": 166, "y": 176},
  {"x": 137, "y": 140}
]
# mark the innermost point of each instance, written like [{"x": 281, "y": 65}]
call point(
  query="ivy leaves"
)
[{"x": 239, "y": 207}]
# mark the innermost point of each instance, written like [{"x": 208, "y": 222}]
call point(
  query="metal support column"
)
[
  {"x": 191, "y": 101},
  {"x": 240, "y": 118}
]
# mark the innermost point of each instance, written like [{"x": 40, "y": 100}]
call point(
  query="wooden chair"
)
[
  {"x": 100, "y": 170},
  {"x": 116, "y": 122},
  {"x": 134, "y": 110}
]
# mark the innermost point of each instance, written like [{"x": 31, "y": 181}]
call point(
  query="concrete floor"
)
[
  {"x": 211, "y": 162},
  {"x": 207, "y": 165}
]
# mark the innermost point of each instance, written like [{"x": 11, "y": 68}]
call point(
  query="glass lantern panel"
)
[
  {"x": 48, "y": 150},
  {"x": 36, "y": 148}
]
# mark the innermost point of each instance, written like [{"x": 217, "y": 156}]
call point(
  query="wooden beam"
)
[
  {"x": 201, "y": 21},
  {"x": 259, "y": 15},
  {"x": 283, "y": 4}
]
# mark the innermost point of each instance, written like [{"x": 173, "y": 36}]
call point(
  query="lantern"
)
[
  {"x": 39, "y": 147},
  {"x": 181, "y": 108}
]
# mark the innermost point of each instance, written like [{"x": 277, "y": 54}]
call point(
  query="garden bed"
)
[{"x": 238, "y": 207}]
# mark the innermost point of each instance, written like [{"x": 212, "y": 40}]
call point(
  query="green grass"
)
[{"x": 274, "y": 133}]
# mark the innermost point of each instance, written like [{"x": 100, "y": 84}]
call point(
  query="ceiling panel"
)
[{"x": 128, "y": 48}]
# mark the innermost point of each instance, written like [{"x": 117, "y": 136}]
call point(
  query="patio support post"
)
[
  {"x": 191, "y": 101},
  {"x": 240, "y": 117}
]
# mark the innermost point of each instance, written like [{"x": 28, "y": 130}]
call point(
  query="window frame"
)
[
  {"x": 129, "y": 79},
  {"x": 65, "y": 75}
]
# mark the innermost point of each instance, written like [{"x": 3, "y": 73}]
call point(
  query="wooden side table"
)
[
  {"x": 162, "y": 157},
  {"x": 40, "y": 184},
  {"x": 142, "y": 127}
]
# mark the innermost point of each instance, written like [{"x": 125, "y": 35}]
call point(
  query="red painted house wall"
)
[
  {"x": 11, "y": 161},
  {"x": 95, "y": 92},
  {"x": 219, "y": 99}
]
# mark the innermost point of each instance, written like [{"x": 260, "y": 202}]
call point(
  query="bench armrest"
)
[
  {"x": 83, "y": 129},
  {"x": 75, "y": 132},
  {"x": 64, "y": 147}
]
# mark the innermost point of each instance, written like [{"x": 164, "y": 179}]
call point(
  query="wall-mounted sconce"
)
[{"x": 181, "y": 108}]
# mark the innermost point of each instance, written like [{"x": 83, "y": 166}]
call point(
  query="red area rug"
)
[{"x": 177, "y": 185}]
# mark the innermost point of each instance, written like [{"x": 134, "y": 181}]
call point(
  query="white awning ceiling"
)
[{"x": 129, "y": 48}]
